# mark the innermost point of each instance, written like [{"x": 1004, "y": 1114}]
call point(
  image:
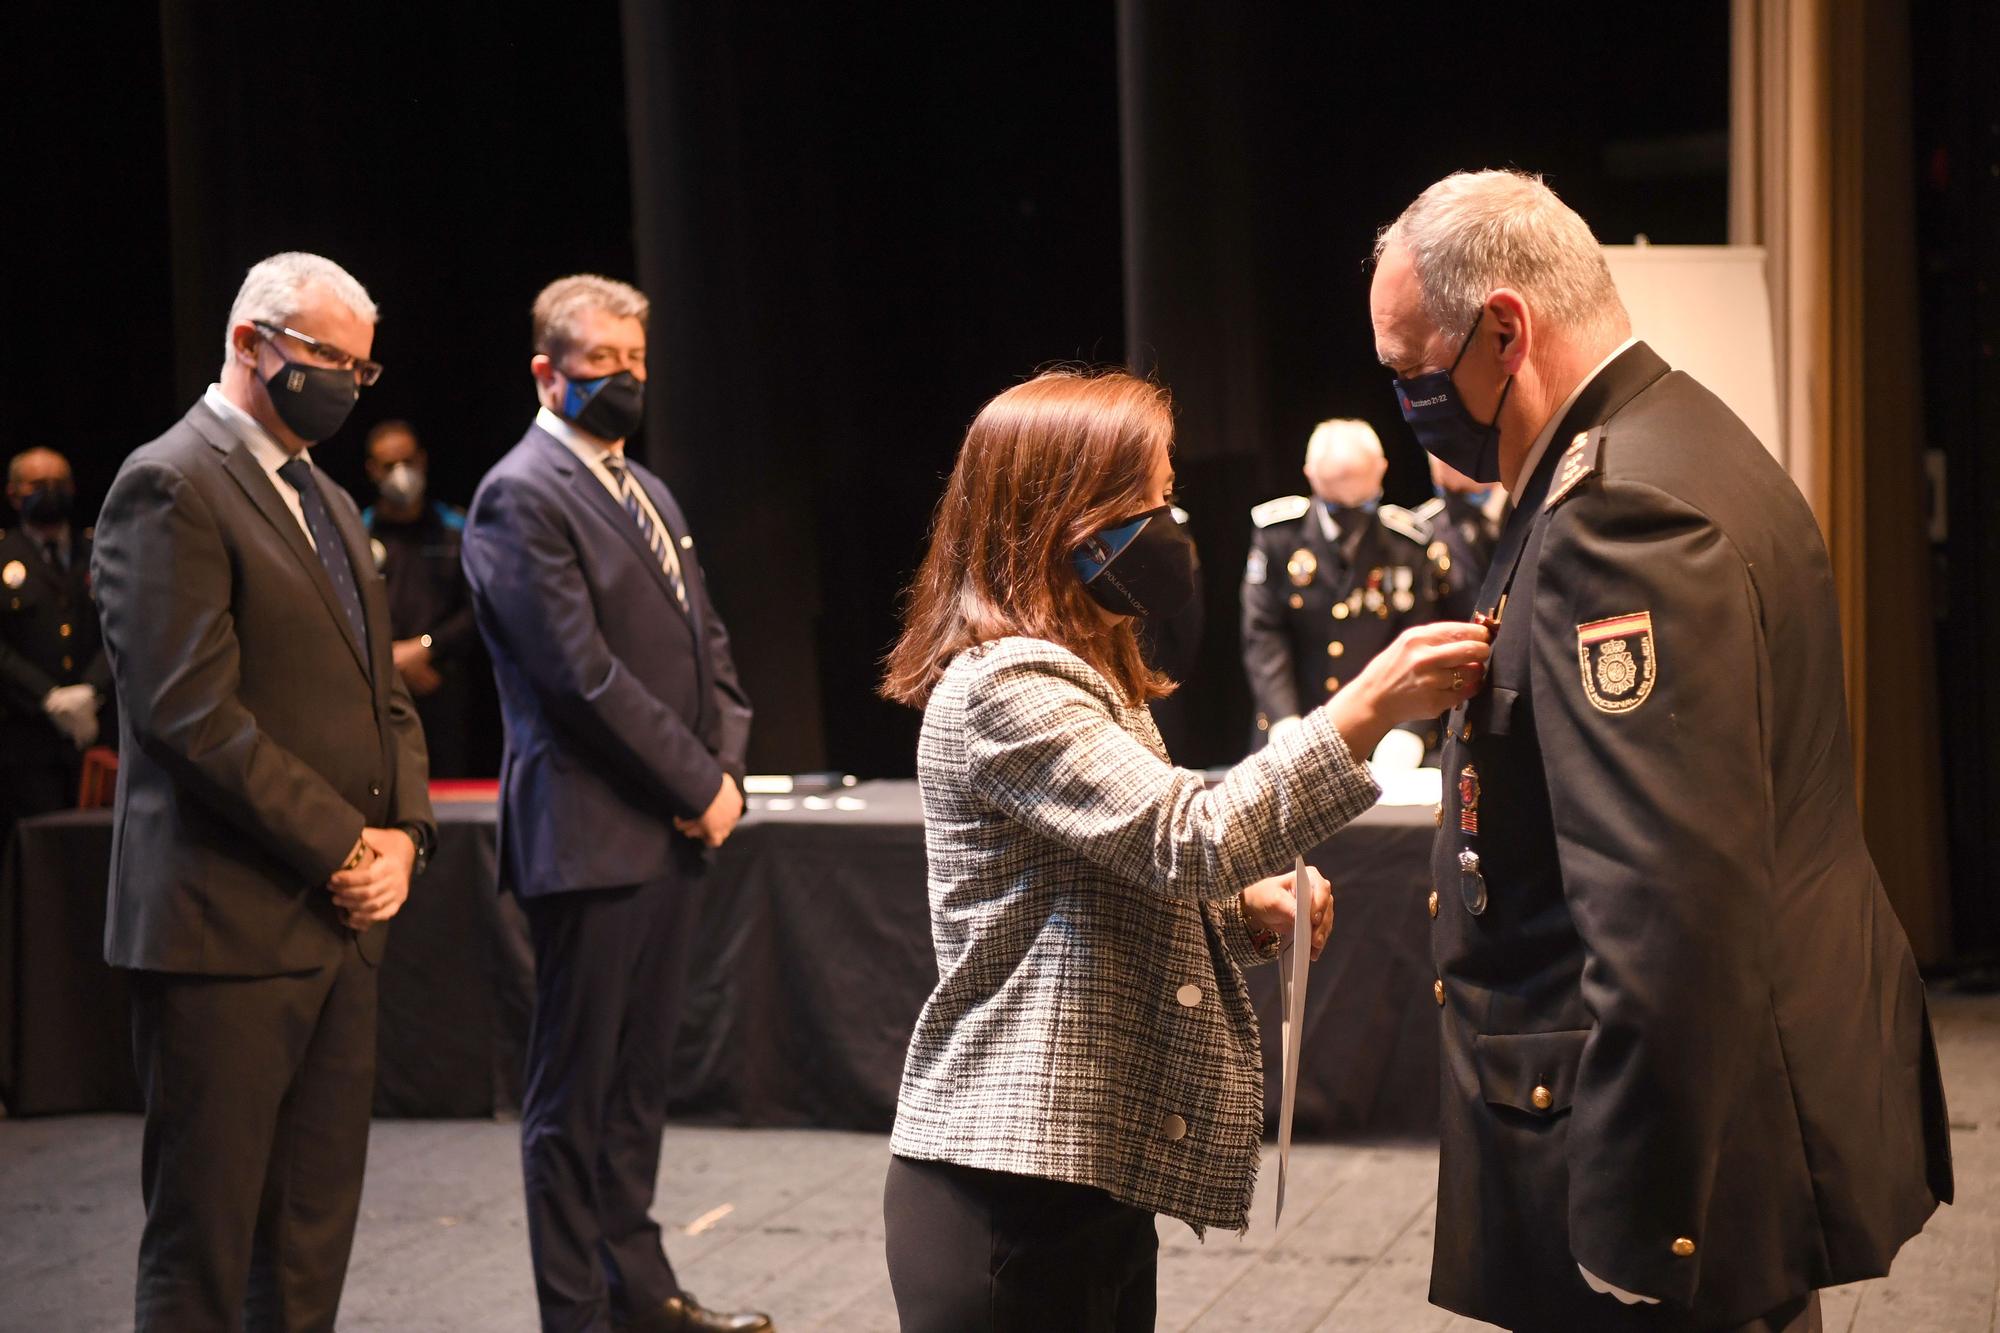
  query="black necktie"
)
[
  {"x": 52, "y": 552},
  {"x": 332, "y": 550}
]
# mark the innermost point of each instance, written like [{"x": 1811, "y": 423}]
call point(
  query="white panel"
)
[{"x": 1707, "y": 310}]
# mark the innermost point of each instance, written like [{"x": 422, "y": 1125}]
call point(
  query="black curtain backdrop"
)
[
  {"x": 856, "y": 224},
  {"x": 859, "y": 224}
]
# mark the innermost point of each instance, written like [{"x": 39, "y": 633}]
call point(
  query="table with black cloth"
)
[{"x": 814, "y": 959}]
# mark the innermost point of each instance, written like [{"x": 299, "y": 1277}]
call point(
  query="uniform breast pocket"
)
[
  {"x": 1531, "y": 1072},
  {"x": 1492, "y": 713}
]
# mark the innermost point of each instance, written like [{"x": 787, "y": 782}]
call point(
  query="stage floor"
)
[{"x": 790, "y": 1221}]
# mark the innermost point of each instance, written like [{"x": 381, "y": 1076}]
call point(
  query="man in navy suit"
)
[{"x": 626, "y": 730}]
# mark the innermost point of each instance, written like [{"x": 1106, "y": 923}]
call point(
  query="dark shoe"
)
[{"x": 684, "y": 1314}]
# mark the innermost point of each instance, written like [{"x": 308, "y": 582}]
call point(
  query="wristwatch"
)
[{"x": 420, "y": 834}]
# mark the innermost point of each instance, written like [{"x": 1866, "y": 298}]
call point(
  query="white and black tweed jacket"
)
[{"x": 1090, "y": 1022}]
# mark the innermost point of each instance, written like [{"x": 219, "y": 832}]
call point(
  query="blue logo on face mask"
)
[
  {"x": 577, "y": 396},
  {"x": 1092, "y": 557}
]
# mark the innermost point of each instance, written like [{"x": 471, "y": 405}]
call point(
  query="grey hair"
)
[
  {"x": 1342, "y": 435},
  {"x": 1475, "y": 232},
  {"x": 271, "y": 288}
]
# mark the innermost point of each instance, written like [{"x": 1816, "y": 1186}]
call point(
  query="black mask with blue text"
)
[
  {"x": 1448, "y": 432},
  {"x": 1142, "y": 566}
]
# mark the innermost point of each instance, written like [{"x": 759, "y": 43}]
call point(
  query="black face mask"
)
[
  {"x": 1142, "y": 567},
  {"x": 47, "y": 506},
  {"x": 609, "y": 406},
  {"x": 312, "y": 401}
]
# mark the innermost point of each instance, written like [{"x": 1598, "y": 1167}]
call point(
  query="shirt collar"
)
[
  {"x": 1541, "y": 445},
  {"x": 270, "y": 455},
  {"x": 585, "y": 446}
]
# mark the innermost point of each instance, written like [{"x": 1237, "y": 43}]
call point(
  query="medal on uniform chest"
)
[
  {"x": 1468, "y": 800},
  {"x": 1471, "y": 882},
  {"x": 1372, "y": 599},
  {"x": 1301, "y": 567},
  {"x": 15, "y": 574},
  {"x": 1403, "y": 598}
]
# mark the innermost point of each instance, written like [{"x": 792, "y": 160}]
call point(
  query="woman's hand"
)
[
  {"x": 1426, "y": 671},
  {"x": 1269, "y": 904}
]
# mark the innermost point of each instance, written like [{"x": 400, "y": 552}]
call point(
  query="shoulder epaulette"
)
[
  {"x": 1577, "y": 462},
  {"x": 1281, "y": 510},
  {"x": 1400, "y": 520},
  {"x": 1430, "y": 509}
]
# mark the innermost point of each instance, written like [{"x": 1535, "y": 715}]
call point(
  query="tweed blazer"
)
[{"x": 1090, "y": 1022}]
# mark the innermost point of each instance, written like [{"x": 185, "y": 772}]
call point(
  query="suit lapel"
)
[
  {"x": 242, "y": 465},
  {"x": 598, "y": 497}
]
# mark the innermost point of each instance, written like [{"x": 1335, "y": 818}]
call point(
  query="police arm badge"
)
[{"x": 1618, "y": 660}]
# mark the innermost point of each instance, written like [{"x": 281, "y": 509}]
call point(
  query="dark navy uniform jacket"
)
[
  {"x": 1462, "y": 542},
  {"x": 1684, "y": 1040},
  {"x": 48, "y": 637},
  {"x": 1312, "y": 618}
]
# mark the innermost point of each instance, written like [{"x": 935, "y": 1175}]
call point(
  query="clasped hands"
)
[
  {"x": 1272, "y": 905},
  {"x": 73, "y": 710},
  {"x": 374, "y": 882},
  {"x": 715, "y": 824}
]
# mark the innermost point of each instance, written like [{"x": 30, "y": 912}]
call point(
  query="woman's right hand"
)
[{"x": 1428, "y": 670}]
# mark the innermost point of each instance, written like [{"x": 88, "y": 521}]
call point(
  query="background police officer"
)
[
  {"x": 415, "y": 541},
  {"x": 1332, "y": 579},
  {"x": 54, "y": 680},
  {"x": 1464, "y": 519}
]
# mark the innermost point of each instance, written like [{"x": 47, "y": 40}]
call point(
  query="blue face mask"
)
[{"x": 1436, "y": 413}]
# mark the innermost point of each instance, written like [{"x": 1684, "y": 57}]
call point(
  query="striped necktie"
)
[{"x": 658, "y": 540}]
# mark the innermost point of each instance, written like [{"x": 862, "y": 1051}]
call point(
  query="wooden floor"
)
[{"x": 791, "y": 1222}]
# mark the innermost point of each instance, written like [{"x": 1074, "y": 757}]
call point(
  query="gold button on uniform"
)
[
  {"x": 1433, "y": 902},
  {"x": 1332, "y": 684},
  {"x": 68, "y": 665},
  {"x": 1340, "y": 610},
  {"x": 1437, "y": 990},
  {"x": 1542, "y": 1098},
  {"x": 1336, "y": 649},
  {"x": 1297, "y": 601},
  {"x": 63, "y": 630},
  {"x": 1683, "y": 1248}
]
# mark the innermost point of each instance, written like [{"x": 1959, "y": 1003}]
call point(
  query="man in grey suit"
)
[{"x": 271, "y": 811}]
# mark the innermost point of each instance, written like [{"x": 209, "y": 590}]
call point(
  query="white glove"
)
[
  {"x": 1283, "y": 725},
  {"x": 1603, "y": 1288},
  {"x": 1398, "y": 752},
  {"x": 73, "y": 709}
]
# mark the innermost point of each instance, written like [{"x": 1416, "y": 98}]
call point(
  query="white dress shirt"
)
[{"x": 270, "y": 455}]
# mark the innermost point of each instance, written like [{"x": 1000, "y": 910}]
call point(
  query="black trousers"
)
[
  {"x": 257, "y": 1093},
  {"x": 987, "y": 1252},
  {"x": 610, "y": 967}
]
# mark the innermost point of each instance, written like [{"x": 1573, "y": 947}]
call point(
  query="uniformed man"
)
[
  {"x": 54, "y": 680},
  {"x": 1464, "y": 518},
  {"x": 1331, "y": 580},
  {"x": 415, "y": 542},
  {"x": 1688, "y": 1075}
]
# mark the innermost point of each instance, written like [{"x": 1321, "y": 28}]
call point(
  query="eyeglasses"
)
[{"x": 365, "y": 372}]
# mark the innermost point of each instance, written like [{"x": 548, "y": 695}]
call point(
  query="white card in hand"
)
[{"x": 1292, "y": 999}]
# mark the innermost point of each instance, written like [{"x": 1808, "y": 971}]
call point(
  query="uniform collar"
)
[{"x": 1541, "y": 445}]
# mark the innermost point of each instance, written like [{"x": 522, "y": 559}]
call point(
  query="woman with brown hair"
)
[{"x": 1089, "y": 1057}]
